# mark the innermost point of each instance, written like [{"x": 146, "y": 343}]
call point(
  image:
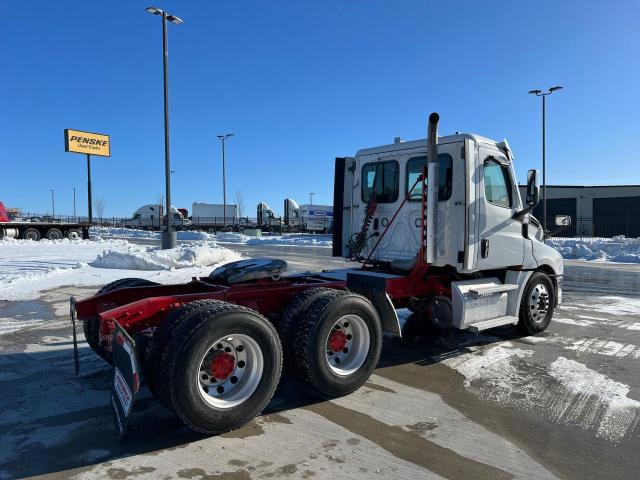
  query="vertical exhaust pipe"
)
[{"x": 432, "y": 189}]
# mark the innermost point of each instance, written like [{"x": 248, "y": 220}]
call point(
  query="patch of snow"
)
[
  {"x": 572, "y": 321},
  {"x": 616, "y": 249},
  {"x": 593, "y": 393},
  {"x": 615, "y": 305},
  {"x": 10, "y": 325}
]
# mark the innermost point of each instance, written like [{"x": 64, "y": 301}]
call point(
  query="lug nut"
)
[
  {"x": 219, "y": 346},
  {"x": 233, "y": 380},
  {"x": 241, "y": 364},
  {"x": 220, "y": 389},
  {"x": 239, "y": 348},
  {"x": 345, "y": 350}
]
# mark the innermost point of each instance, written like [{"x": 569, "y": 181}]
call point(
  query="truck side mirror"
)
[
  {"x": 563, "y": 220},
  {"x": 533, "y": 188}
]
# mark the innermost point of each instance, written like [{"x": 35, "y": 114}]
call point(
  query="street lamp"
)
[
  {"x": 311, "y": 194},
  {"x": 169, "y": 235},
  {"x": 223, "y": 138},
  {"x": 540, "y": 93}
]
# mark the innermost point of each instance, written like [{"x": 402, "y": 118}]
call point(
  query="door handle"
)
[{"x": 484, "y": 248}]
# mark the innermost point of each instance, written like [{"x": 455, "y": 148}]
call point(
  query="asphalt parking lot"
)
[{"x": 563, "y": 404}]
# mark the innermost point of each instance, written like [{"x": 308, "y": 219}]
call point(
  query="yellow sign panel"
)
[{"x": 85, "y": 142}]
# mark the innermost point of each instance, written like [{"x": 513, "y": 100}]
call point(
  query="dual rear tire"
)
[
  {"x": 216, "y": 365},
  {"x": 332, "y": 340}
]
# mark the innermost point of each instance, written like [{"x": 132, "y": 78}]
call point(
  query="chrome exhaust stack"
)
[{"x": 432, "y": 189}]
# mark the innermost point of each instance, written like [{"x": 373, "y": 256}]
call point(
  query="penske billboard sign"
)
[{"x": 78, "y": 141}]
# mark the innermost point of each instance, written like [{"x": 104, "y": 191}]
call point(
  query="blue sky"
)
[{"x": 300, "y": 83}]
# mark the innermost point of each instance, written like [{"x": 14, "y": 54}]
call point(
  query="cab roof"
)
[{"x": 422, "y": 143}]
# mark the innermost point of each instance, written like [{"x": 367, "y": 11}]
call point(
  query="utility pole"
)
[
  {"x": 53, "y": 205},
  {"x": 74, "y": 205},
  {"x": 169, "y": 235},
  {"x": 311, "y": 194},
  {"x": 223, "y": 138},
  {"x": 539, "y": 93}
]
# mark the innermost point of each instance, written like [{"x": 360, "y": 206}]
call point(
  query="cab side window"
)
[
  {"x": 497, "y": 183},
  {"x": 445, "y": 169},
  {"x": 381, "y": 180}
]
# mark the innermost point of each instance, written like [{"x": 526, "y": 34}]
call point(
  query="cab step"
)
[
  {"x": 486, "y": 291},
  {"x": 494, "y": 322}
]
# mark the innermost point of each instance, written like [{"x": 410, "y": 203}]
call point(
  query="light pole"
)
[
  {"x": 169, "y": 235},
  {"x": 539, "y": 93},
  {"x": 53, "y": 205},
  {"x": 74, "y": 204},
  {"x": 223, "y": 138},
  {"x": 311, "y": 194}
]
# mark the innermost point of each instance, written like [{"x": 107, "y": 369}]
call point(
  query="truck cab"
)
[{"x": 478, "y": 228}]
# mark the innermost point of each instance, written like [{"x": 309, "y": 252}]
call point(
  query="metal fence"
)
[
  {"x": 587, "y": 228},
  {"x": 209, "y": 224}
]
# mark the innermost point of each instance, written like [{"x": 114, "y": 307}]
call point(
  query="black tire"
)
[
  {"x": 91, "y": 327},
  {"x": 155, "y": 349},
  {"x": 178, "y": 379},
  {"x": 541, "y": 292},
  {"x": 54, "y": 234},
  {"x": 31, "y": 234},
  {"x": 312, "y": 335},
  {"x": 287, "y": 323},
  {"x": 74, "y": 234}
]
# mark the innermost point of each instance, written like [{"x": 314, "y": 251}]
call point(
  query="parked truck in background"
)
[
  {"x": 307, "y": 218},
  {"x": 36, "y": 230},
  {"x": 149, "y": 217}
]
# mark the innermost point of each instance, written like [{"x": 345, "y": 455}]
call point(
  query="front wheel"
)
[
  {"x": 338, "y": 342},
  {"x": 220, "y": 368},
  {"x": 536, "y": 306}
]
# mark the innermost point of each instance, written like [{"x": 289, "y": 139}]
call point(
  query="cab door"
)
[{"x": 501, "y": 242}]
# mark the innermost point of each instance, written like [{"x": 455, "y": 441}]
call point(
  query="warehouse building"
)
[{"x": 595, "y": 210}]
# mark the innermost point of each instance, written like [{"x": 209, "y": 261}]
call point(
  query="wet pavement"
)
[{"x": 563, "y": 404}]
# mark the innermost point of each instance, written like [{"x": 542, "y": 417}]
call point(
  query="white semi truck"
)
[
  {"x": 439, "y": 227},
  {"x": 149, "y": 217},
  {"x": 307, "y": 218}
]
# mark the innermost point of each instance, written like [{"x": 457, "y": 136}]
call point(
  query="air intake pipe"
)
[{"x": 432, "y": 189}]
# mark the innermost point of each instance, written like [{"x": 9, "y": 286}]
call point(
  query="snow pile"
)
[
  {"x": 100, "y": 232},
  {"x": 28, "y": 268},
  {"x": 616, "y": 249},
  {"x": 293, "y": 240},
  {"x": 183, "y": 256}
]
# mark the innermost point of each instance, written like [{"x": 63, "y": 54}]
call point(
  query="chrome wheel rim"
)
[
  {"x": 73, "y": 236},
  {"x": 539, "y": 303},
  {"x": 347, "y": 345},
  {"x": 31, "y": 235},
  {"x": 237, "y": 362}
]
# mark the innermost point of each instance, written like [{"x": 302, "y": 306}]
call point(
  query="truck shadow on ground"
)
[{"x": 54, "y": 422}]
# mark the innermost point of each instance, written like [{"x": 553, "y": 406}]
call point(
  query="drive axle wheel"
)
[
  {"x": 536, "y": 306},
  {"x": 348, "y": 345},
  {"x": 230, "y": 370},
  {"x": 220, "y": 367},
  {"x": 338, "y": 342}
]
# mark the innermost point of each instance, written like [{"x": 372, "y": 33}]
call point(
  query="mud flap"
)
[
  {"x": 126, "y": 379},
  {"x": 373, "y": 286},
  {"x": 76, "y": 357}
]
